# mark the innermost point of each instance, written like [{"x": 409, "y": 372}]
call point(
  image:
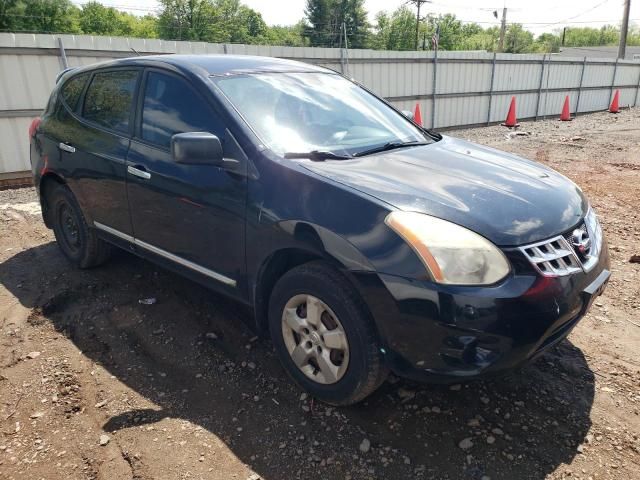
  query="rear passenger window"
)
[
  {"x": 170, "y": 107},
  {"x": 109, "y": 99},
  {"x": 72, "y": 89}
]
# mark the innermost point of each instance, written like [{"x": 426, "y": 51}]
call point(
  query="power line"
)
[{"x": 579, "y": 14}]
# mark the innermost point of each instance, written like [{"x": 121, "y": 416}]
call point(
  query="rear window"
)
[
  {"x": 109, "y": 99},
  {"x": 72, "y": 90}
]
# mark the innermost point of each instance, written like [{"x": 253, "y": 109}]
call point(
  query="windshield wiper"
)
[
  {"x": 317, "y": 155},
  {"x": 391, "y": 146}
]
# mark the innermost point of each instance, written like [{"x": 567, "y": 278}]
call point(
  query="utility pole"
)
[
  {"x": 622, "y": 47},
  {"x": 503, "y": 29},
  {"x": 418, "y": 3}
]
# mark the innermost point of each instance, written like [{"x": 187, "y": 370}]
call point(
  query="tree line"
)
[{"x": 327, "y": 23}]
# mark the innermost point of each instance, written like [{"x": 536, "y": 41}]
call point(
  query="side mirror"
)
[
  {"x": 408, "y": 114},
  {"x": 196, "y": 148}
]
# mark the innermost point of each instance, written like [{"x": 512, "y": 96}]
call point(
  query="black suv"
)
[{"x": 362, "y": 241}]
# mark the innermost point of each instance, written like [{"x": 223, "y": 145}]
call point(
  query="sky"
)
[{"x": 537, "y": 15}]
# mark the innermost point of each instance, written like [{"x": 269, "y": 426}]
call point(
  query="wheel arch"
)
[
  {"x": 47, "y": 182},
  {"x": 309, "y": 243}
]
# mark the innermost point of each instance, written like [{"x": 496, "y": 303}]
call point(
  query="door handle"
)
[
  {"x": 139, "y": 171},
  {"x": 66, "y": 147}
]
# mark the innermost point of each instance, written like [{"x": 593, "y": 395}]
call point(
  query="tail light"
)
[{"x": 35, "y": 123}]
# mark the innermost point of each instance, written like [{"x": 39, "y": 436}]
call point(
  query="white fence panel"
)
[
  {"x": 470, "y": 87},
  {"x": 594, "y": 100}
]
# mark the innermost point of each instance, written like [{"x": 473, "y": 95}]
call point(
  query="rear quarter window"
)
[
  {"x": 109, "y": 99},
  {"x": 72, "y": 89}
]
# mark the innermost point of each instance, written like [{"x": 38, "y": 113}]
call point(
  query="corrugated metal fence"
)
[{"x": 453, "y": 88}]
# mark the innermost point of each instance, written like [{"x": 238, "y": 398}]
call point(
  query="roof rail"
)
[{"x": 60, "y": 75}]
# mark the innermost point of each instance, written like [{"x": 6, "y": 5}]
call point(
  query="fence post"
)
[
  {"x": 584, "y": 66},
  {"x": 546, "y": 90},
  {"x": 435, "y": 79},
  {"x": 493, "y": 73},
  {"x": 346, "y": 48},
  {"x": 63, "y": 54},
  {"x": 540, "y": 86},
  {"x": 613, "y": 81},
  {"x": 635, "y": 102}
]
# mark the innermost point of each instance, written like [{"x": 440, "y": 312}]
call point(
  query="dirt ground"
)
[{"x": 95, "y": 384}]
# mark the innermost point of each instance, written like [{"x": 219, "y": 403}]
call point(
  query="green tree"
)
[
  {"x": 220, "y": 21},
  {"x": 396, "y": 31},
  {"x": 451, "y": 30},
  {"x": 97, "y": 19},
  {"x": 141, "y": 27},
  {"x": 633, "y": 36},
  {"x": 291, "y": 36},
  {"x": 354, "y": 16},
  {"x": 253, "y": 22},
  {"x": 592, "y": 37},
  {"x": 517, "y": 39},
  {"x": 326, "y": 19},
  {"x": 186, "y": 19},
  {"x": 483, "y": 40},
  {"x": 547, "y": 43},
  {"x": 47, "y": 16},
  {"x": 318, "y": 14},
  {"x": 8, "y": 15}
]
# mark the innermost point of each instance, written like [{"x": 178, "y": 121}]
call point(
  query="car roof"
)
[{"x": 216, "y": 64}]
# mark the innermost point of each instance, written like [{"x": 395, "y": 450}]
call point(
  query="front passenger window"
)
[{"x": 170, "y": 107}]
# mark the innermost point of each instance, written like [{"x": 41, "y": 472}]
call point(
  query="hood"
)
[{"x": 507, "y": 199}]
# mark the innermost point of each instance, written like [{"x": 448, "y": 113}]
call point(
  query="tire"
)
[
  {"x": 332, "y": 353},
  {"x": 78, "y": 242}
]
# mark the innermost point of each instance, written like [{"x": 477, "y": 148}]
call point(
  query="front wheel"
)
[{"x": 324, "y": 336}]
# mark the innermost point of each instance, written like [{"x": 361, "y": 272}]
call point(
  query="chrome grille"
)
[
  {"x": 554, "y": 257},
  {"x": 557, "y": 256}
]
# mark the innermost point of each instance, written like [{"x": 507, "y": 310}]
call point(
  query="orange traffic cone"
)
[
  {"x": 615, "y": 105},
  {"x": 417, "y": 116},
  {"x": 565, "y": 116},
  {"x": 511, "y": 121}
]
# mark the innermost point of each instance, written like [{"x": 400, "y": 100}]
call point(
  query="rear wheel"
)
[
  {"x": 324, "y": 336},
  {"x": 78, "y": 242}
]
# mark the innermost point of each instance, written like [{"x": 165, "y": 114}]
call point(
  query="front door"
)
[{"x": 190, "y": 214}]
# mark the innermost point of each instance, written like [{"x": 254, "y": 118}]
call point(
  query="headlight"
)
[{"x": 451, "y": 253}]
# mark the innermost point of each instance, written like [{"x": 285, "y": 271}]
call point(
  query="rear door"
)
[
  {"x": 190, "y": 214},
  {"x": 93, "y": 145},
  {"x": 57, "y": 121}
]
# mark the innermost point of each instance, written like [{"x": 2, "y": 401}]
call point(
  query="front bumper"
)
[{"x": 441, "y": 333}]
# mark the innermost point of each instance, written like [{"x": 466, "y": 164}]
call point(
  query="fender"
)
[
  {"x": 326, "y": 243},
  {"x": 298, "y": 242}
]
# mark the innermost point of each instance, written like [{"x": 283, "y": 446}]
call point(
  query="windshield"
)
[{"x": 302, "y": 112}]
